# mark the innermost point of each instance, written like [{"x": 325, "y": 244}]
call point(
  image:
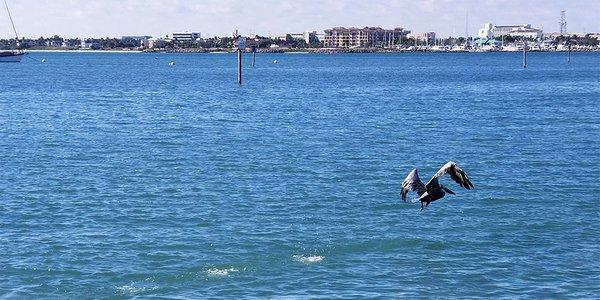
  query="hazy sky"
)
[{"x": 114, "y": 18}]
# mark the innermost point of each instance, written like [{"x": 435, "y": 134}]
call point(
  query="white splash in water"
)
[
  {"x": 133, "y": 289},
  {"x": 308, "y": 259},
  {"x": 221, "y": 272}
]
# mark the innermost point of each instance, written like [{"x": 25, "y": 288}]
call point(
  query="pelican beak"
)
[{"x": 449, "y": 191}]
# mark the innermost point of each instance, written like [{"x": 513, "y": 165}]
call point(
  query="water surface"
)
[{"x": 124, "y": 177}]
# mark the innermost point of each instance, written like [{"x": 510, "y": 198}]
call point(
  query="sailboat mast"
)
[
  {"x": 11, "y": 21},
  {"x": 466, "y": 28}
]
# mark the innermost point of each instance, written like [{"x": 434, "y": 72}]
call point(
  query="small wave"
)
[
  {"x": 221, "y": 272},
  {"x": 308, "y": 259},
  {"x": 132, "y": 289}
]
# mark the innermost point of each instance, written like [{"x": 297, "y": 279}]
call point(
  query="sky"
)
[{"x": 116, "y": 18}]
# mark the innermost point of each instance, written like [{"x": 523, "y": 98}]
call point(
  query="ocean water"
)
[{"x": 123, "y": 177}]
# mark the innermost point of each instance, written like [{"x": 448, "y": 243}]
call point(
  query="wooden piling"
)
[
  {"x": 239, "y": 66},
  {"x": 524, "y": 56}
]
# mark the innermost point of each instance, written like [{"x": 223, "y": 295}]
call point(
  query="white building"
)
[
  {"x": 486, "y": 32},
  {"x": 306, "y": 36},
  {"x": 423, "y": 37},
  {"x": 310, "y": 36},
  {"x": 186, "y": 36},
  {"x": 525, "y": 31},
  {"x": 530, "y": 33}
]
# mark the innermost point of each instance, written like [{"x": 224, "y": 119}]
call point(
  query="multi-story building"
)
[
  {"x": 341, "y": 37},
  {"x": 183, "y": 37},
  {"x": 525, "y": 31},
  {"x": 307, "y": 36},
  {"x": 426, "y": 37},
  {"x": 310, "y": 36},
  {"x": 486, "y": 32}
]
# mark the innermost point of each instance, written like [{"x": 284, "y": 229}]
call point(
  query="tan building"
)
[{"x": 368, "y": 37}]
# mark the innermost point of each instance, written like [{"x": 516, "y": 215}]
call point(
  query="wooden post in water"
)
[
  {"x": 569, "y": 57},
  {"x": 239, "y": 66},
  {"x": 525, "y": 56},
  {"x": 240, "y": 44},
  {"x": 253, "y": 55}
]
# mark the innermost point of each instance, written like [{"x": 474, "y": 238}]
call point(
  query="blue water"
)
[{"x": 124, "y": 177}]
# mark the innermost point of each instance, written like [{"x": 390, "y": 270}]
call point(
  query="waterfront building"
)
[
  {"x": 183, "y": 37},
  {"x": 486, "y": 32},
  {"x": 341, "y": 37},
  {"x": 306, "y": 36},
  {"x": 310, "y": 36},
  {"x": 426, "y": 37},
  {"x": 525, "y": 31}
]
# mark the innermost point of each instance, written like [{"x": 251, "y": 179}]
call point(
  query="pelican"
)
[{"x": 433, "y": 190}]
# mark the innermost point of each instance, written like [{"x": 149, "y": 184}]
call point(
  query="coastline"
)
[
  {"x": 81, "y": 51},
  {"x": 287, "y": 51}
]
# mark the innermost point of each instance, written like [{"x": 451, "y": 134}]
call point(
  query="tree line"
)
[{"x": 228, "y": 42}]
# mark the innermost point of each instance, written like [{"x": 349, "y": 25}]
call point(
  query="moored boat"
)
[{"x": 11, "y": 56}]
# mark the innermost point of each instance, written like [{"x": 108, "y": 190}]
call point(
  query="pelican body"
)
[{"x": 433, "y": 190}]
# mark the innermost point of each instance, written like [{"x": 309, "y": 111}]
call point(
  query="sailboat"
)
[{"x": 11, "y": 55}]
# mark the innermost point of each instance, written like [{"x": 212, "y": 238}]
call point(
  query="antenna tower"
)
[{"x": 563, "y": 22}]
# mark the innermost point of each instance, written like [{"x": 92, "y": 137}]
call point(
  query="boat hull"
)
[{"x": 14, "y": 58}]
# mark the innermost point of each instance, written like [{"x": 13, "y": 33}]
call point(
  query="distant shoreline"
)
[
  {"x": 82, "y": 51},
  {"x": 285, "y": 51}
]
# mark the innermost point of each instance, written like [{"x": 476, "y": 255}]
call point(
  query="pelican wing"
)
[
  {"x": 412, "y": 183},
  {"x": 456, "y": 173}
]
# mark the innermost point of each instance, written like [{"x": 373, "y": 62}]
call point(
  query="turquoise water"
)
[{"x": 124, "y": 177}]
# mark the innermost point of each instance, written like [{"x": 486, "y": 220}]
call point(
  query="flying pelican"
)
[{"x": 433, "y": 190}]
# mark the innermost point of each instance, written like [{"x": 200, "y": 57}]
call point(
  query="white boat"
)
[
  {"x": 461, "y": 48},
  {"x": 511, "y": 48},
  {"x": 562, "y": 47},
  {"x": 439, "y": 48},
  {"x": 11, "y": 55},
  {"x": 488, "y": 48}
]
